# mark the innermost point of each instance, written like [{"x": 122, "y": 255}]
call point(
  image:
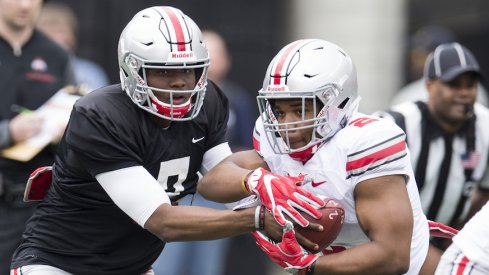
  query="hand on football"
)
[
  {"x": 275, "y": 231},
  {"x": 282, "y": 195},
  {"x": 287, "y": 253}
]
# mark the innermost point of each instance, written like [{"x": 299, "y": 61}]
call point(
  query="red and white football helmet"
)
[
  {"x": 162, "y": 38},
  {"x": 315, "y": 70}
]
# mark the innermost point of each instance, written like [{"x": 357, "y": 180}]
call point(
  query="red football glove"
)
[
  {"x": 288, "y": 253},
  {"x": 281, "y": 195},
  {"x": 440, "y": 230},
  {"x": 38, "y": 184}
]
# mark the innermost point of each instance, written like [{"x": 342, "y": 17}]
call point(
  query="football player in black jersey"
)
[{"x": 132, "y": 150}]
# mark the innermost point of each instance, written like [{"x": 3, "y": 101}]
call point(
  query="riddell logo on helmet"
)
[
  {"x": 182, "y": 55},
  {"x": 276, "y": 88}
]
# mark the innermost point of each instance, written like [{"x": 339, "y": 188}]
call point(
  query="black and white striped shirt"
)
[{"x": 447, "y": 166}]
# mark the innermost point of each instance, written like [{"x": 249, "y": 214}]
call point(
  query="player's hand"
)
[
  {"x": 282, "y": 195},
  {"x": 275, "y": 232},
  {"x": 288, "y": 253}
]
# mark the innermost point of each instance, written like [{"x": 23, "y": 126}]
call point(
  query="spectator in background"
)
[
  {"x": 210, "y": 257},
  {"x": 32, "y": 69},
  {"x": 59, "y": 22},
  {"x": 421, "y": 44},
  {"x": 242, "y": 107},
  {"x": 242, "y": 115},
  {"x": 448, "y": 138}
]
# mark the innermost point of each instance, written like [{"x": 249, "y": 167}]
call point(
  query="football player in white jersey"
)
[
  {"x": 469, "y": 252},
  {"x": 309, "y": 126}
]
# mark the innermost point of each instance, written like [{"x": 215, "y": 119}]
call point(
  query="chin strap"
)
[{"x": 306, "y": 154}]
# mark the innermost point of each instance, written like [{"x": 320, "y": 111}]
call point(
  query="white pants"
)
[
  {"x": 454, "y": 262},
  {"x": 38, "y": 270},
  {"x": 48, "y": 270}
]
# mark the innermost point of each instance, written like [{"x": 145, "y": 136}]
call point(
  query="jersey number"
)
[
  {"x": 173, "y": 173},
  {"x": 360, "y": 122}
]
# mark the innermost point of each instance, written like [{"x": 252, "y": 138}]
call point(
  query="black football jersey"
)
[{"x": 77, "y": 227}]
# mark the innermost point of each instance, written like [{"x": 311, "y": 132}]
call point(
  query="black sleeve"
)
[{"x": 216, "y": 107}]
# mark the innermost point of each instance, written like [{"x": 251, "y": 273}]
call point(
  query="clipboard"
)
[{"x": 55, "y": 111}]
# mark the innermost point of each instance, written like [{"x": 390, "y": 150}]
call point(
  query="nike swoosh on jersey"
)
[
  {"x": 195, "y": 140},
  {"x": 316, "y": 184}
]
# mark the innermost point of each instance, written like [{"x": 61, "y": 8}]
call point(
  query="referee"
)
[{"x": 448, "y": 136}]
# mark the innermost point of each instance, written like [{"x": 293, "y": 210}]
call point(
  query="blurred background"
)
[
  {"x": 376, "y": 33},
  {"x": 387, "y": 40}
]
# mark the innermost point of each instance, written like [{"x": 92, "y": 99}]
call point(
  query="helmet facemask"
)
[
  {"x": 279, "y": 131},
  {"x": 148, "y": 42}
]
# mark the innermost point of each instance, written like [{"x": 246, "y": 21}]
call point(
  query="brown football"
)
[{"x": 332, "y": 218}]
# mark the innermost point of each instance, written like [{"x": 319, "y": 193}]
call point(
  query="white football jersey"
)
[
  {"x": 368, "y": 147},
  {"x": 473, "y": 239}
]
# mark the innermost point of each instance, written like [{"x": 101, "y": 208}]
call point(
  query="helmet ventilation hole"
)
[{"x": 342, "y": 105}]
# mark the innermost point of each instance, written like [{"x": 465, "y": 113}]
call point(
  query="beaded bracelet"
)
[
  {"x": 257, "y": 217},
  {"x": 310, "y": 269},
  {"x": 260, "y": 217}
]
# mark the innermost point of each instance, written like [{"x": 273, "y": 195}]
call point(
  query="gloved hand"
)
[
  {"x": 441, "y": 230},
  {"x": 281, "y": 194},
  {"x": 38, "y": 184},
  {"x": 288, "y": 253}
]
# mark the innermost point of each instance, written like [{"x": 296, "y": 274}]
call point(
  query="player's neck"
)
[{"x": 161, "y": 122}]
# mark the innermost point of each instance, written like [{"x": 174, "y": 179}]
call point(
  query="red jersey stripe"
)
[
  {"x": 376, "y": 156},
  {"x": 462, "y": 266},
  {"x": 177, "y": 27}
]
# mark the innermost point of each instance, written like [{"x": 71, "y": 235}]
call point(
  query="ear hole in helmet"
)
[
  {"x": 198, "y": 74},
  {"x": 343, "y": 104},
  {"x": 272, "y": 106},
  {"x": 319, "y": 105}
]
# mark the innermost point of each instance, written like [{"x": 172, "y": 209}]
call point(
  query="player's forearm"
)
[
  {"x": 370, "y": 258},
  {"x": 223, "y": 182},
  {"x": 187, "y": 223}
]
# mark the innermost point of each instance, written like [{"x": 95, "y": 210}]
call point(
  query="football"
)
[{"x": 332, "y": 218}]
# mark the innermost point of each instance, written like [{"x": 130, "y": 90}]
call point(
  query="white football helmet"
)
[
  {"x": 162, "y": 38},
  {"x": 309, "y": 70}
]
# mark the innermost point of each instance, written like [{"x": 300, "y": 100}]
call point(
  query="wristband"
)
[
  {"x": 262, "y": 218},
  {"x": 310, "y": 269},
  {"x": 257, "y": 217},
  {"x": 244, "y": 183}
]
